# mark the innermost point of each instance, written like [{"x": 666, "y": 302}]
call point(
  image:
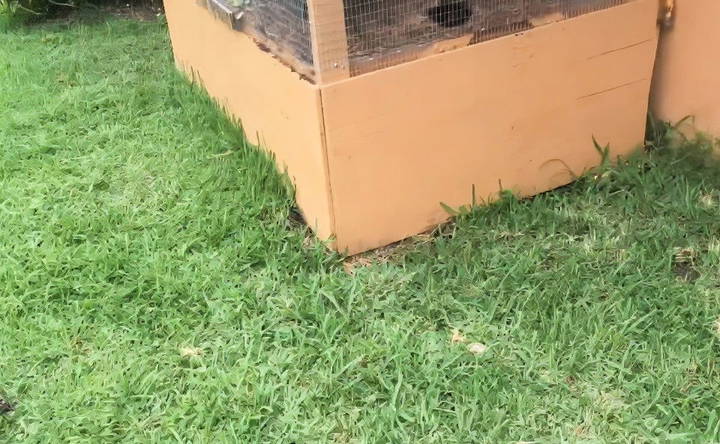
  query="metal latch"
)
[{"x": 667, "y": 12}]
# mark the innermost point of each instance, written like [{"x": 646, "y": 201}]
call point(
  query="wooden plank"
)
[
  {"x": 518, "y": 113},
  {"x": 329, "y": 40},
  {"x": 687, "y": 75}
]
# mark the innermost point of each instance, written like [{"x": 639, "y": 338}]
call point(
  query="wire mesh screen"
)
[
  {"x": 284, "y": 22},
  {"x": 359, "y": 36},
  {"x": 382, "y": 33}
]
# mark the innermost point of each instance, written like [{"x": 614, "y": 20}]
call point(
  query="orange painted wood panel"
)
[
  {"x": 516, "y": 113},
  {"x": 687, "y": 76}
]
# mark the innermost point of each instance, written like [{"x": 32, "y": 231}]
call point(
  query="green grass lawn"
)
[{"x": 155, "y": 286}]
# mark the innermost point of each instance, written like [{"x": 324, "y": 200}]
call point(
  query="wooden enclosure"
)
[
  {"x": 375, "y": 156},
  {"x": 687, "y": 75}
]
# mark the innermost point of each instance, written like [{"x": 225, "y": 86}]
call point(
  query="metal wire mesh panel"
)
[
  {"x": 382, "y": 33},
  {"x": 326, "y": 40},
  {"x": 285, "y": 22},
  {"x": 279, "y": 26}
]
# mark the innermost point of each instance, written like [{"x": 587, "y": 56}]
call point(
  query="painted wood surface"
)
[
  {"x": 687, "y": 76},
  {"x": 516, "y": 113}
]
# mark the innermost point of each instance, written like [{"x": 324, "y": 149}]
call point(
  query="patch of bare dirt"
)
[{"x": 143, "y": 11}]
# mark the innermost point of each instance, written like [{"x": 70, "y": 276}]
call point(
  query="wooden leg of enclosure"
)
[{"x": 329, "y": 40}]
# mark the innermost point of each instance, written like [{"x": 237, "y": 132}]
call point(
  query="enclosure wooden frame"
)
[{"x": 379, "y": 157}]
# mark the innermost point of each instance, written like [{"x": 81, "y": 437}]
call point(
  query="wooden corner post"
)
[{"x": 329, "y": 40}]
